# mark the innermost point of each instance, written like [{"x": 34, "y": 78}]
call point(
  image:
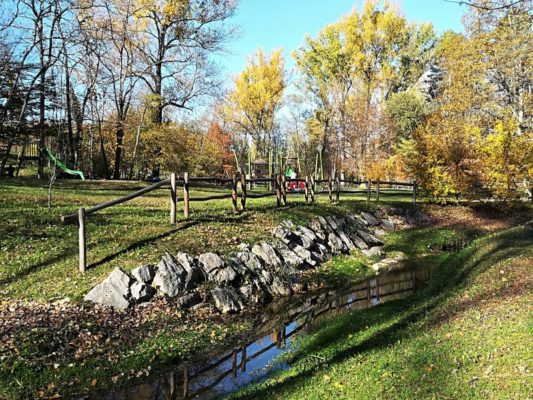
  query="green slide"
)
[{"x": 63, "y": 167}]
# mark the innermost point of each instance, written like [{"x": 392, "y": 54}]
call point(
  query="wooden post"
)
[
  {"x": 243, "y": 189},
  {"x": 172, "y": 384},
  {"x": 414, "y": 192},
  {"x": 82, "y": 234},
  {"x": 377, "y": 190},
  {"x": 186, "y": 194},
  {"x": 185, "y": 381},
  {"x": 338, "y": 192},
  {"x": 234, "y": 193},
  {"x": 234, "y": 363},
  {"x": 306, "y": 189},
  {"x": 243, "y": 359},
  {"x": 330, "y": 189},
  {"x": 284, "y": 189},
  {"x": 368, "y": 186},
  {"x": 313, "y": 189},
  {"x": 173, "y": 198},
  {"x": 278, "y": 190}
]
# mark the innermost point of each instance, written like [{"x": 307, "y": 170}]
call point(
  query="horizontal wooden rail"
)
[
  {"x": 261, "y": 180},
  {"x": 209, "y": 179},
  {"x": 69, "y": 218},
  {"x": 260, "y": 195},
  {"x": 214, "y": 197}
]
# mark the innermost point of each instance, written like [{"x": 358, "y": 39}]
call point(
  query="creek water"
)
[{"x": 251, "y": 359}]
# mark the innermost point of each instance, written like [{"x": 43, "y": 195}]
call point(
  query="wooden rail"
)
[{"x": 307, "y": 186}]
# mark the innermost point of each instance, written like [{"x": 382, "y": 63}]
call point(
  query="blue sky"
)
[{"x": 272, "y": 24}]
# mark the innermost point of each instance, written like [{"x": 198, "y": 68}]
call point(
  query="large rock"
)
[
  {"x": 332, "y": 223},
  {"x": 227, "y": 300},
  {"x": 375, "y": 251},
  {"x": 307, "y": 233},
  {"x": 321, "y": 253},
  {"x": 335, "y": 243},
  {"x": 387, "y": 224},
  {"x": 346, "y": 240},
  {"x": 280, "y": 288},
  {"x": 369, "y": 238},
  {"x": 189, "y": 300},
  {"x": 144, "y": 273},
  {"x": 416, "y": 217},
  {"x": 250, "y": 261},
  {"x": 361, "y": 245},
  {"x": 289, "y": 257},
  {"x": 170, "y": 276},
  {"x": 114, "y": 291},
  {"x": 195, "y": 274},
  {"x": 370, "y": 219},
  {"x": 315, "y": 225},
  {"x": 254, "y": 293},
  {"x": 215, "y": 268},
  {"x": 283, "y": 233},
  {"x": 305, "y": 255},
  {"x": 268, "y": 254},
  {"x": 142, "y": 292}
]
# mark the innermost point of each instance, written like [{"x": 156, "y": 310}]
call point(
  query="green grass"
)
[
  {"x": 36, "y": 250},
  {"x": 38, "y": 261},
  {"x": 467, "y": 336}
]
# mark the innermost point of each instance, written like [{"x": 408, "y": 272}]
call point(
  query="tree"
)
[
  {"x": 351, "y": 69},
  {"x": 407, "y": 111},
  {"x": 252, "y": 105},
  {"x": 178, "y": 37}
]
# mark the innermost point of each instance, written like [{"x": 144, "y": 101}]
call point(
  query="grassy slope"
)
[
  {"x": 467, "y": 336},
  {"x": 35, "y": 249}
]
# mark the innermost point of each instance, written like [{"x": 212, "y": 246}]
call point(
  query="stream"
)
[{"x": 281, "y": 323}]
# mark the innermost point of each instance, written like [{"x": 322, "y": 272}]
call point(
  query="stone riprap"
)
[{"x": 258, "y": 273}]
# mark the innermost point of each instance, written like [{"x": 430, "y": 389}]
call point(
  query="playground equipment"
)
[{"x": 63, "y": 167}]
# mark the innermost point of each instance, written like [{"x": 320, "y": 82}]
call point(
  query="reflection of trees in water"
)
[{"x": 229, "y": 371}]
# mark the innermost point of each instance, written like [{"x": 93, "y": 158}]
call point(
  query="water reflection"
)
[{"x": 280, "y": 324}]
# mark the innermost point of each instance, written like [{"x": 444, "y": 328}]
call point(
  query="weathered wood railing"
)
[{"x": 311, "y": 189}]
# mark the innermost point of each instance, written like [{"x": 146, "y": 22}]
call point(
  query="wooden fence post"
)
[
  {"x": 278, "y": 190},
  {"x": 173, "y": 198},
  {"x": 377, "y": 190},
  {"x": 330, "y": 189},
  {"x": 284, "y": 189},
  {"x": 313, "y": 188},
  {"x": 82, "y": 240},
  {"x": 414, "y": 192},
  {"x": 234, "y": 363},
  {"x": 186, "y": 194},
  {"x": 243, "y": 359},
  {"x": 306, "y": 189},
  {"x": 338, "y": 192},
  {"x": 234, "y": 192},
  {"x": 185, "y": 381},
  {"x": 243, "y": 189},
  {"x": 368, "y": 185}
]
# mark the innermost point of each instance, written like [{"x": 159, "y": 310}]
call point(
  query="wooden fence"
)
[{"x": 311, "y": 188}]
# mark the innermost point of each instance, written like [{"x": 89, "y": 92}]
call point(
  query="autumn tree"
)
[
  {"x": 252, "y": 105},
  {"x": 351, "y": 69},
  {"x": 178, "y": 38}
]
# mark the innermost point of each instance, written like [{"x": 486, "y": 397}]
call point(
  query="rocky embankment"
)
[{"x": 259, "y": 273}]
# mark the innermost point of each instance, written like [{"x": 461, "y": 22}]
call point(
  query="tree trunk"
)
[{"x": 118, "y": 151}]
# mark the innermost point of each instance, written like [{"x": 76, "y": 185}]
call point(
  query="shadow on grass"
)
[{"x": 394, "y": 321}]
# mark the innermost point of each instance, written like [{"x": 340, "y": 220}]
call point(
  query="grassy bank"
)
[
  {"x": 37, "y": 250},
  {"x": 467, "y": 336},
  {"x": 52, "y": 347}
]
